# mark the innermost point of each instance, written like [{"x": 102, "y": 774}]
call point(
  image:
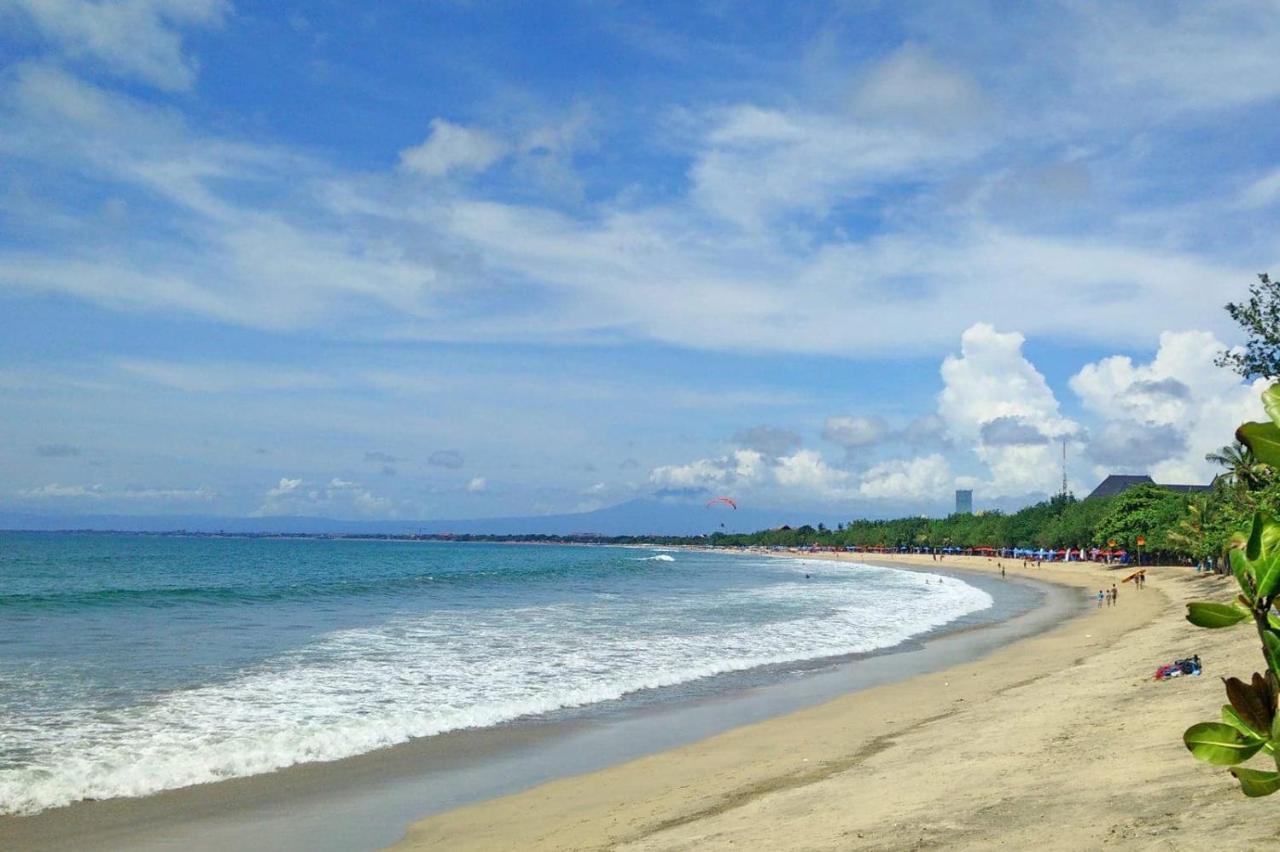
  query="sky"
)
[{"x": 479, "y": 259}]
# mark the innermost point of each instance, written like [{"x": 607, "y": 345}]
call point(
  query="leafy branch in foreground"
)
[
  {"x": 1260, "y": 318},
  {"x": 1250, "y": 723}
]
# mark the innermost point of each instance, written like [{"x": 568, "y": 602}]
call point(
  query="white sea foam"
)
[
  {"x": 359, "y": 690},
  {"x": 661, "y": 557}
]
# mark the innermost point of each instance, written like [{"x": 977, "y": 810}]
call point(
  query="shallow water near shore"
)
[{"x": 364, "y": 800}]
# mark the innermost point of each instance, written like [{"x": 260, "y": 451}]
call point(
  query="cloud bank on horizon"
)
[{"x": 475, "y": 260}]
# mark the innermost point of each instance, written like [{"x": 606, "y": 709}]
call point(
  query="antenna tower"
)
[{"x": 1064, "y": 467}]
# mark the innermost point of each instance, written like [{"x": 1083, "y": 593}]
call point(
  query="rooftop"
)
[{"x": 1118, "y": 482}]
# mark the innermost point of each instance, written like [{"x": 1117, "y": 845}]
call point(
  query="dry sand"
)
[{"x": 1060, "y": 741}]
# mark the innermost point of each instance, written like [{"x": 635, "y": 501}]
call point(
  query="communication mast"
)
[{"x": 1064, "y": 467}]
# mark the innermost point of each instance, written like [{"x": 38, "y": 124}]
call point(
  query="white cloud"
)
[
  {"x": 292, "y": 496},
  {"x": 739, "y": 467},
  {"x": 806, "y": 471},
  {"x": 55, "y": 490},
  {"x": 911, "y": 85},
  {"x": 923, "y": 479},
  {"x": 991, "y": 386},
  {"x": 99, "y": 492},
  {"x": 451, "y": 148},
  {"x": 1179, "y": 394},
  {"x": 855, "y": 431},
  {"x": 311, "y": 247},
  {"x": 286, "y": 486},
  {"x": 803, "y": 472},
  {"x": 477, "y": 484},
  {"x": 1262, "y": 192},
  {"x": 800, "y": 161},
  {"x": 138, "y": 39},
  {"x": 224, "y": 377},
  {"x": 1184, "y": 56}
]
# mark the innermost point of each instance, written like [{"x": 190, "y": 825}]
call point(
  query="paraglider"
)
[{"x": 728, "y": 501}]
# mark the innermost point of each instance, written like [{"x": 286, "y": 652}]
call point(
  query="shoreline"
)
[
  {"x": 996, "y": 737},
  {"x": 385, "y": 786}
]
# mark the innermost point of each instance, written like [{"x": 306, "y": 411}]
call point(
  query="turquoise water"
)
[{"x": 133, "y": 664}]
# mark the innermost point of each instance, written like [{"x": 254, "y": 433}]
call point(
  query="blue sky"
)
[{"x": 434, "y": 259}]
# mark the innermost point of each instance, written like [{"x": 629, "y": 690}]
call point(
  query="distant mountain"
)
[{"x": 645, "y": 516}]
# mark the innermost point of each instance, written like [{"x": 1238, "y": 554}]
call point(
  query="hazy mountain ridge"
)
[{"x": 634, "y": 517}]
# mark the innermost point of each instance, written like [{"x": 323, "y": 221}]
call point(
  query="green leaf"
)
[
  {"x": 1232, "y": 718},
  {"x": 1266, "y": 571},
  {"x": 1271, "y": 402},
  {"x": 1243, "y": 573},
  {"x": 1219, "y": 744},
  {"x": 1253, "y": 549},
  {"x": 1263, "y": 439},
  {"x": 1257, "y": 782},
  {"x": 1214, "y": 615},
  {"x": 1271, "y": 649}
]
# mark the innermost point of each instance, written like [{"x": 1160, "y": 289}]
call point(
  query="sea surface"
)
[{"x": 132, "y": 664}]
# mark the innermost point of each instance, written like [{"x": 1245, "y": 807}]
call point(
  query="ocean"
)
[{"x": 131, "y": 664}]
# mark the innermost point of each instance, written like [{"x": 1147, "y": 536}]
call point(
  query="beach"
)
[{"x": 1062, "y": 740}]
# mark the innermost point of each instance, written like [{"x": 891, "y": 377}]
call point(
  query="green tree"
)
[
  {"x": 1241, "y": 467},
  {"x": 1144, "y": 510},
  {"x": 1260, "y": 319},
  {"x": 1192, "y": 533}
]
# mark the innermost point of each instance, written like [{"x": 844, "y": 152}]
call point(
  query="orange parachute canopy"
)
[{"x": 728, "y": 501}]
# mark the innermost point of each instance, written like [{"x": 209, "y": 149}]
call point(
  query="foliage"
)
[
  {"x": 1242, "y": 468},
  {"x": 1250, "y": 723},
  {"x": 1194, "y": 532},
  {"x": 1144, "y": 510},
  {"x": 1260, "y": 318}
]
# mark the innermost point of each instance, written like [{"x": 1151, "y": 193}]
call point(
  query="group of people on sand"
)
[{"x": 1108, "y": 595}]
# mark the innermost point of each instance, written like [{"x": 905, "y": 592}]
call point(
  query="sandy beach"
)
[{"x": 1063, "y": 741}]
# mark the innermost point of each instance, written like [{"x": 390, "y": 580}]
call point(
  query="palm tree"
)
[
  {"x": 1243, "y": 470},
  {"x": 1191, "y": 535}
]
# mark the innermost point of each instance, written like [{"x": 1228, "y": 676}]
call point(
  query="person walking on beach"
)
[
  {"x": 1001, "y": 564},
  {"x": 1101, "y": 594},
  {"x": 1115, "y": 593}
]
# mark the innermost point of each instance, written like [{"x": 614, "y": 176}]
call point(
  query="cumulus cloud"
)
[
  {"x": 1185, "y": 404},
  {"x": 803, "y": 472},
  {"x": 928, "y": 430},
  {"x": 452, "y": 148},
  {"x": 1129, "y": 446},
  {"x": 477, "y": 484},
  {"x": 855, "y": 431},
  {"x": 285, "y": 487},
  {"x": 925, "y": 478},
  {"x": 806, "y": 471},
  {"x": 1011, "y": 431},
  {"x": 991, "y": 391},
  {"x": 294, "y": 496},
  {"x": 739, "y": 466}
]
